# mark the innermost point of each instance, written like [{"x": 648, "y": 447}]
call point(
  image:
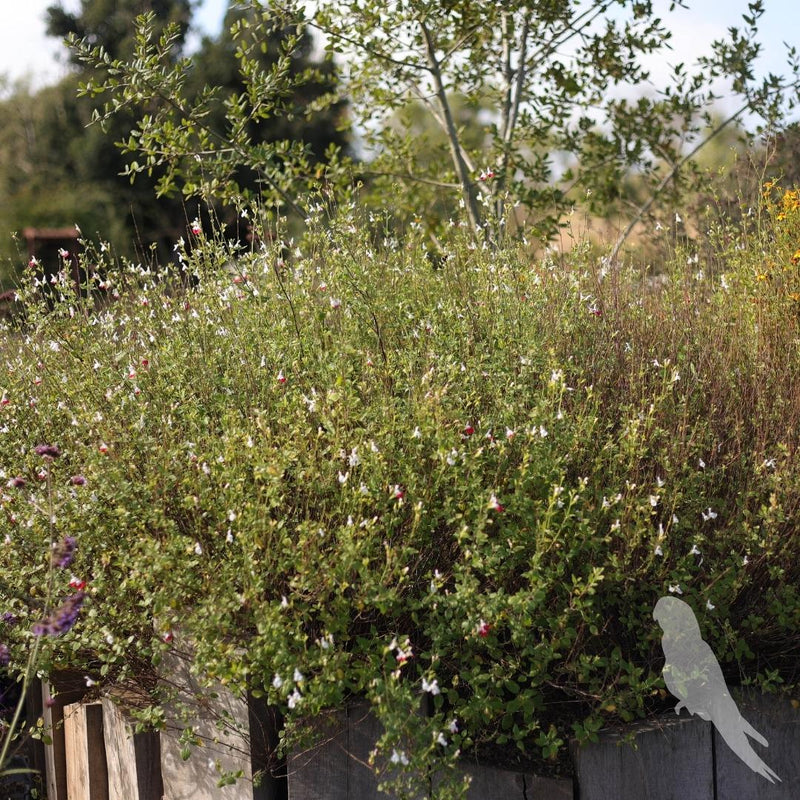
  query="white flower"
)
[
  {"x": 294, "y": 698},
  {"x": 675, "y": 589},
  {"x": 198, "y": 549},
  {"x": 399, "y": 757},
  {"x": 363, "y": 488},
  {"x": 453, "y": 726},
  {"x": 335, "y": 302},
  {"x": 284, "y": 601},
  {"x": 659, "y": 482},
  {"x": 745, "y": 561},
  {"x": 343, "y": 477},
  {"x": 769, "y": 463},
  {"x": 441, "y": 739},
  {"x": 701, "y": 463},
  {"x": 709, "y": 605},
  {"x": 616, "y": 526},
  {"x": 542, "y": 431},
  {"x": 653, "y": 500},
  {"x": 707, "y": 515},
  {"x": 432, "y": 686},
  {"x": 298, "y": 676},
  {"x": 373, "y": 446},
  {"x": 452, "y": 457},
  {"x": 658, "y": 551},
  {"x": 277, "y": 681},
  {"x": 694, "y": 551},
  {"x": 417, "y": 433},
  {"x": 353, "y": 460}
]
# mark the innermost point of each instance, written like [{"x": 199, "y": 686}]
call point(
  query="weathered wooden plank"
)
[
  {"x": 61, "y": 690},
  {"x": 220, "y": 724},
  {"x": 87, "y": 776},
  {"x": 669, "y": 759},
  {"x": 265, "y": 724},
  {"x": 133, "y": 759},
  {"x": 320, "y": 772},
  {"x": 493, "y": 783},
  {"x": 779, "y": 723}
]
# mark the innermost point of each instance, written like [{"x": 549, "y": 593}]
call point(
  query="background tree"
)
[
  {"x": 560, "y": 76},
  {"x": 270, "y": 128},
  {"x": 56, "y": 169}
]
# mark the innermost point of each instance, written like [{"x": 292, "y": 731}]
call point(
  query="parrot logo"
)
[{"x": 693, "y": 675}]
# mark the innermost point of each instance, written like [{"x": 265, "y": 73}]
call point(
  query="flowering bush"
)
[{"x": 460, "y": 489}]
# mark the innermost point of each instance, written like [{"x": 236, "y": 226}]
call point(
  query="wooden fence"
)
[{"x": 95, "y": 755}]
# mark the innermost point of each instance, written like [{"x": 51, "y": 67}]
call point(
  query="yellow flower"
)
[
  {"x": 761, "y": 276},
  {"x": 796, "y": 257}
]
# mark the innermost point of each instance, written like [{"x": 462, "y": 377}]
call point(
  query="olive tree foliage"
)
[
  {"x": 208, "y": 143},
  {"x": 566, "y": 101},
  {"x": 571, "y": 105}
]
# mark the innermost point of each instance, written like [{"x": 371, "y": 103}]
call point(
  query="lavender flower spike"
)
[
  {"x": 62, "y": 619},
  {"x": 64, "y": 552}
]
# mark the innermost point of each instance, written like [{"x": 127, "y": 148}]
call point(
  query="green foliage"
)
[
  {"x": 342, "y": 474},
  {"x": 268, "y": 141}
]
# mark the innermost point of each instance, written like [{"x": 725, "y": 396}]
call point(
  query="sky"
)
[{"x": 25, "y": 50}]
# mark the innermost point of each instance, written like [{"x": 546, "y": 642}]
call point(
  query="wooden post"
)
[
  {"x": 220, "y": 725},
  {"x": 779, "y": 723},
  {"x": 62, "y": 689},
  {"x": 133, "y": 759},
  {"x": 87, "y": 775},
  {"x": 321, "y": 771},
  {"x": 665, "y": 759}
]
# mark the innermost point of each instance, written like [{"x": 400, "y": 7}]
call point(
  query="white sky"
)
[{"x": 25, "y": 50}]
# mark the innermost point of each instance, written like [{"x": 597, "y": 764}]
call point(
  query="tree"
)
[
  {"x": 556, "y": 73},
  {"x": 108, "y": 23},
  {"x": 564, "y": 82},
  {"x": 270, "y": 128}
]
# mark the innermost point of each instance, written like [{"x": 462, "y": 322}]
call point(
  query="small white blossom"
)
[
  {"x": 675, "y": 589},
  {"x": 432, "y": 686},
  {"x": 399, "y": 757},
  {"x": 709, "y": 605},
  {"x": 277, "y": 681},
  {"x": 294, "y": 698}
]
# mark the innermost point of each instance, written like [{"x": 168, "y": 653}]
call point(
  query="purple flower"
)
[
  {"x": 64, "y": 552},
  {"x": 78, "y": 480},
  {"x": 8, "y": 618},
  {"x": 47, "y": 450},
  {"x": 62, "y": 619},
  {"x": 5, "y": 655}
]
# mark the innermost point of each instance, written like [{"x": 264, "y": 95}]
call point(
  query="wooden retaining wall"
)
[{"x": 95, "y": 755}]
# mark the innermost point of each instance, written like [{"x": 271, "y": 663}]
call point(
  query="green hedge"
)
[{"x": 342, "y": 472}]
